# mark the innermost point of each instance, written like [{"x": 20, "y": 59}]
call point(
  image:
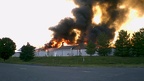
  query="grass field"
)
[{"x": 82, "y": 61}]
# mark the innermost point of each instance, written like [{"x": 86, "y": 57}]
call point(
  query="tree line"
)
[{"x": 125, "y": 45}]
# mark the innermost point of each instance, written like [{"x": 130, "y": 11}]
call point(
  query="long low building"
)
[{"x": 62, "y": 51}]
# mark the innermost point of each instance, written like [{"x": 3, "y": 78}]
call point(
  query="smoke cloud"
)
[
  {"x": 64, "y": 30},
  {"x": 111, "y": 20}
]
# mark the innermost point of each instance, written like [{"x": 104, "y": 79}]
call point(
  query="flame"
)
[
  {"x": 115, "y": 38},
  {"x": 78, "y": 32},
  {"x": 64, "y": 42},
  {"x": 57, "y": 44},
  {"x": 97, "y": 14},
  {"x": 134, "y": 22},
  {"x": 122, "y": 6},
  {"x": 54, "y": 43}
]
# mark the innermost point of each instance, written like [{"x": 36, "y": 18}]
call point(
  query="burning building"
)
[{"x": 91, "y": 18}]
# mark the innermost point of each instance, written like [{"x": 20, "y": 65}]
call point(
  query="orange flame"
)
[
  {"x": 133, "y": 23},
  {"x": 97, "y": 14},
  {"x": 78, "y": 32},
  {"x": 57, "y": 44}
]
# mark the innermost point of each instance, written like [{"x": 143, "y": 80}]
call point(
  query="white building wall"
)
[
  {"x": 17, "y": 54},
  {"x": 69, "y": 52},
  {"x": 41, "y": 54},
  {"x": 60, "y": 52}
]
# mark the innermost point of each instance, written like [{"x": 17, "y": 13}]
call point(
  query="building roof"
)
[
  {"x": 72, "y": 47},
  {"x": 67, "y": 47}
]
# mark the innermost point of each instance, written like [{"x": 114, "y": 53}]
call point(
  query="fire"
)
[
  {"x": 57, "y": 44},
  {"x": 107, "y": 17},
  {"x": 54, "y": 43},
  {"x": 134, "y": 22},
  {"x": 97, "y": 14},
  {"x": 78, "y": 32},
  {"x": 64, "y": 42},
  {"x": 122, "y": 6},
  {"x": 115, "y": 38}
]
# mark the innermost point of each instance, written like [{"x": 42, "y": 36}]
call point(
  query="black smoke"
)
[
  {"x": 112, "y": 18},
  {"x": 64, "y": 30}
]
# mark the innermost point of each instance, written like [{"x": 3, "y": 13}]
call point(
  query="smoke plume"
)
[{"x": 111, "y": 20}]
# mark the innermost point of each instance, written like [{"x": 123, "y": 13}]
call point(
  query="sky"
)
[{"x": 28, "y": 20}]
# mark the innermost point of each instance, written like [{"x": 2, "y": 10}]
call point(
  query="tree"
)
[
  {"x": 7, "y": 48},
  {"x": 27, "y": 52},
  {"x": 123, "y": 44},
  {"x": 103, "y": 45},
  {"x": 90, "y": 48},
  {"x": 138, "y": 43}
]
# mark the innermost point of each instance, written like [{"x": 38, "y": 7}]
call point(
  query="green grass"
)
[{"x": 78, "y": 61}]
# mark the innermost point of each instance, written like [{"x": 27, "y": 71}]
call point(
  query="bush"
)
[{"x": 27, "y": 52}]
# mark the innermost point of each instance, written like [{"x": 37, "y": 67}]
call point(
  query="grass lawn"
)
[{"x": 82, "y": 61}]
